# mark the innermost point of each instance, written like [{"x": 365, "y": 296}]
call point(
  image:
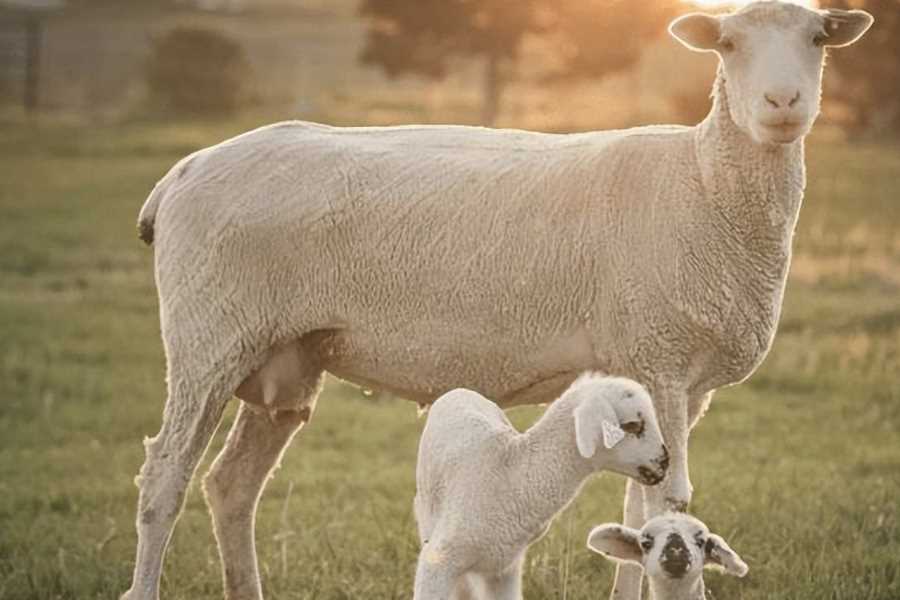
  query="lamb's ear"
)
[
  {"x": 616, "y": 541},
  {"x": 586, "y": 429},
  {"x": 595, "y": 420},
  {"x": 720, "y": 554},
  {"x": 843, "y": 27},
  {"x": 697, "y": 31}
]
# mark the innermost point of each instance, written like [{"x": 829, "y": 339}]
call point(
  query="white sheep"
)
[
  {"x": 423, "y": 259},
  {"x": 672, "y": 550},
  {"x": 485, "y": 492}
]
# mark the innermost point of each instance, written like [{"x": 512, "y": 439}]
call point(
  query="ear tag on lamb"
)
[{"x": 612, "y": 434}]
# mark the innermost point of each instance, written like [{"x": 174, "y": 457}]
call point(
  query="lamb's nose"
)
[
  {"x": 782, "y": 99},
  {"x": 676, "y": 558}
]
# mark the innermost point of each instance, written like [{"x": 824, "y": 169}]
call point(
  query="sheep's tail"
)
[{"x": 147, "y": 216}]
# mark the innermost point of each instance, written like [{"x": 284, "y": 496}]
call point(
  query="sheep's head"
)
[
  {"x": 672, "y": 548},
  {"x": 771, "y": 56},
  {"x": 615, "y": 426}
]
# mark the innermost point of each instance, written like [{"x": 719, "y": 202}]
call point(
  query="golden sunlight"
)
[{"x": 717, "y": 3}]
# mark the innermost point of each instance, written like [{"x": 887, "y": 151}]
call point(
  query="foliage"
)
[
  {"x": 595, "y": 38},
  {"x": 868, "y": 69},
  {"x": 196, "y": 70},
  {"x": 590, "y": 38}
]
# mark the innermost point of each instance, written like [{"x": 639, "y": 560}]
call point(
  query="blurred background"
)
[
  {"x": 798, "y": 468},
  {"x": 544, "y": 64}
]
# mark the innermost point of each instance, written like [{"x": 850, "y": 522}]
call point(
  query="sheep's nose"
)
[
  {"x": 675, "y": 558},
  {"x": 782, "y": 99}
]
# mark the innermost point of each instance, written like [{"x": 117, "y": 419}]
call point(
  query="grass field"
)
[{"x": 799, "y": 468}]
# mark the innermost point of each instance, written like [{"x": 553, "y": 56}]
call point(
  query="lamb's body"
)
[
  {"x": 422, "y": 259},
  {"x": 470, "y": 479},
  {"x": 485, "y": 492}
]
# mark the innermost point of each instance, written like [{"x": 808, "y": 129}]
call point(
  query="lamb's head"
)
[
  {"x": 771, "y": 56},
  {"x": 616, "y": 428},
  {"x": 672, "y": 548}
]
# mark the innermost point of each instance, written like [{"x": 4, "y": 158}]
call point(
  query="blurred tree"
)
[
  {"x": 596, "y": 38},
  {"x": 868, "y": 69},
  {"x": 196, "y": 70},
  {"x": 423, "y": 37},
  {"x": 586, "y": 38}
]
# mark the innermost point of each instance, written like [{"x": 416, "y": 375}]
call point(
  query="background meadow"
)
[{"x": 799, "y": 467}]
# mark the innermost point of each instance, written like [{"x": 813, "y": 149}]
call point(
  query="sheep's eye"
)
[
  {"x": 633, "y": 427},
  {"x": 819, "y": 39},
  {"x": 701, "y": 543},
  {"x": 646, "y": 544},
  {"x": 727, "y": 44}
]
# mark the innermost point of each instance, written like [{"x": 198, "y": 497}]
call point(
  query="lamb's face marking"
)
[
  {"x": 678, "y": 547},
  {"x": 671, "y": 548},
  {"x": 640, "y": 453},
  {"x": 772, "y": 54}
]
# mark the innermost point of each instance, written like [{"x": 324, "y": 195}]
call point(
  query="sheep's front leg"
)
[
  {"x": 234, "y": 485},
  {"x": 629, "y": 577},
  {"x": 674, "y": 493}
]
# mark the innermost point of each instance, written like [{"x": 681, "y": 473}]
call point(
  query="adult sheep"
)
[{"x": 421, "y": 259}]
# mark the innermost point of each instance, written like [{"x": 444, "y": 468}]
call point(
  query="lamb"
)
[
  {"x": 485, "y": 492},
  {"x": 672, "y": 549},
  {"x": 422, "y": 259}
]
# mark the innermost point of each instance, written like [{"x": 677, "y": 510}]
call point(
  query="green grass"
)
[{"x": 799, "y": 468}]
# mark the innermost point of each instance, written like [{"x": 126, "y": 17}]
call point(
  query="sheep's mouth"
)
[
  {"x": 783, "y": 131},
  {"x": 650, "y": 477}
]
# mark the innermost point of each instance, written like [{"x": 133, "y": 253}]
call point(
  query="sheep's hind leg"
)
[
  {"x": 629, "y": 578},
  {"x": 253, "y": 450},
  {"x": 189, "y": 421}
]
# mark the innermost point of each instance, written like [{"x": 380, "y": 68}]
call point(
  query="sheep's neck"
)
[
  {"x": 761, "y": 184},
  {"x": 752, "y": 195},
  {"x": 674, "y": 589},
  {"x": 550, "y": 466}
]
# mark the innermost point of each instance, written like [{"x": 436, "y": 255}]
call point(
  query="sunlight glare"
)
[{"x": 809, "y": 3}]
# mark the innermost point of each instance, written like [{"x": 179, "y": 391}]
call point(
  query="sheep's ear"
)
[
  {"x": 616, "y": 541},
  {"x": 720, "y": 554},
  {"x": 697, "y": 31},
  {"x": 843, "y": 27}
]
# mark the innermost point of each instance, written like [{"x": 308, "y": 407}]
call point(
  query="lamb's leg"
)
[
  {"x": 435, "y": 579},
  {"x": 189, "y": 421},
  {"x": 629, "y": 578},
  {"x": 234, "y": 485},
  {"x": 507, "y": 586},
  {"x": 467, "y": 588}
]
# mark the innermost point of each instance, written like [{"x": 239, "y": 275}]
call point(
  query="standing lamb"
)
[
  {"x": 672, "y": 549},
  {"x": 423, "y": 259},
  {"x": 485, "y": 492}
]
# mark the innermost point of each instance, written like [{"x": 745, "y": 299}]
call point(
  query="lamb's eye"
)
[
  {"x": 819, "y": 39},
  {"x": 726, "y": 44},
  {"x": 646, "y": 544},
  {"x": 633, "y": 427}
]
